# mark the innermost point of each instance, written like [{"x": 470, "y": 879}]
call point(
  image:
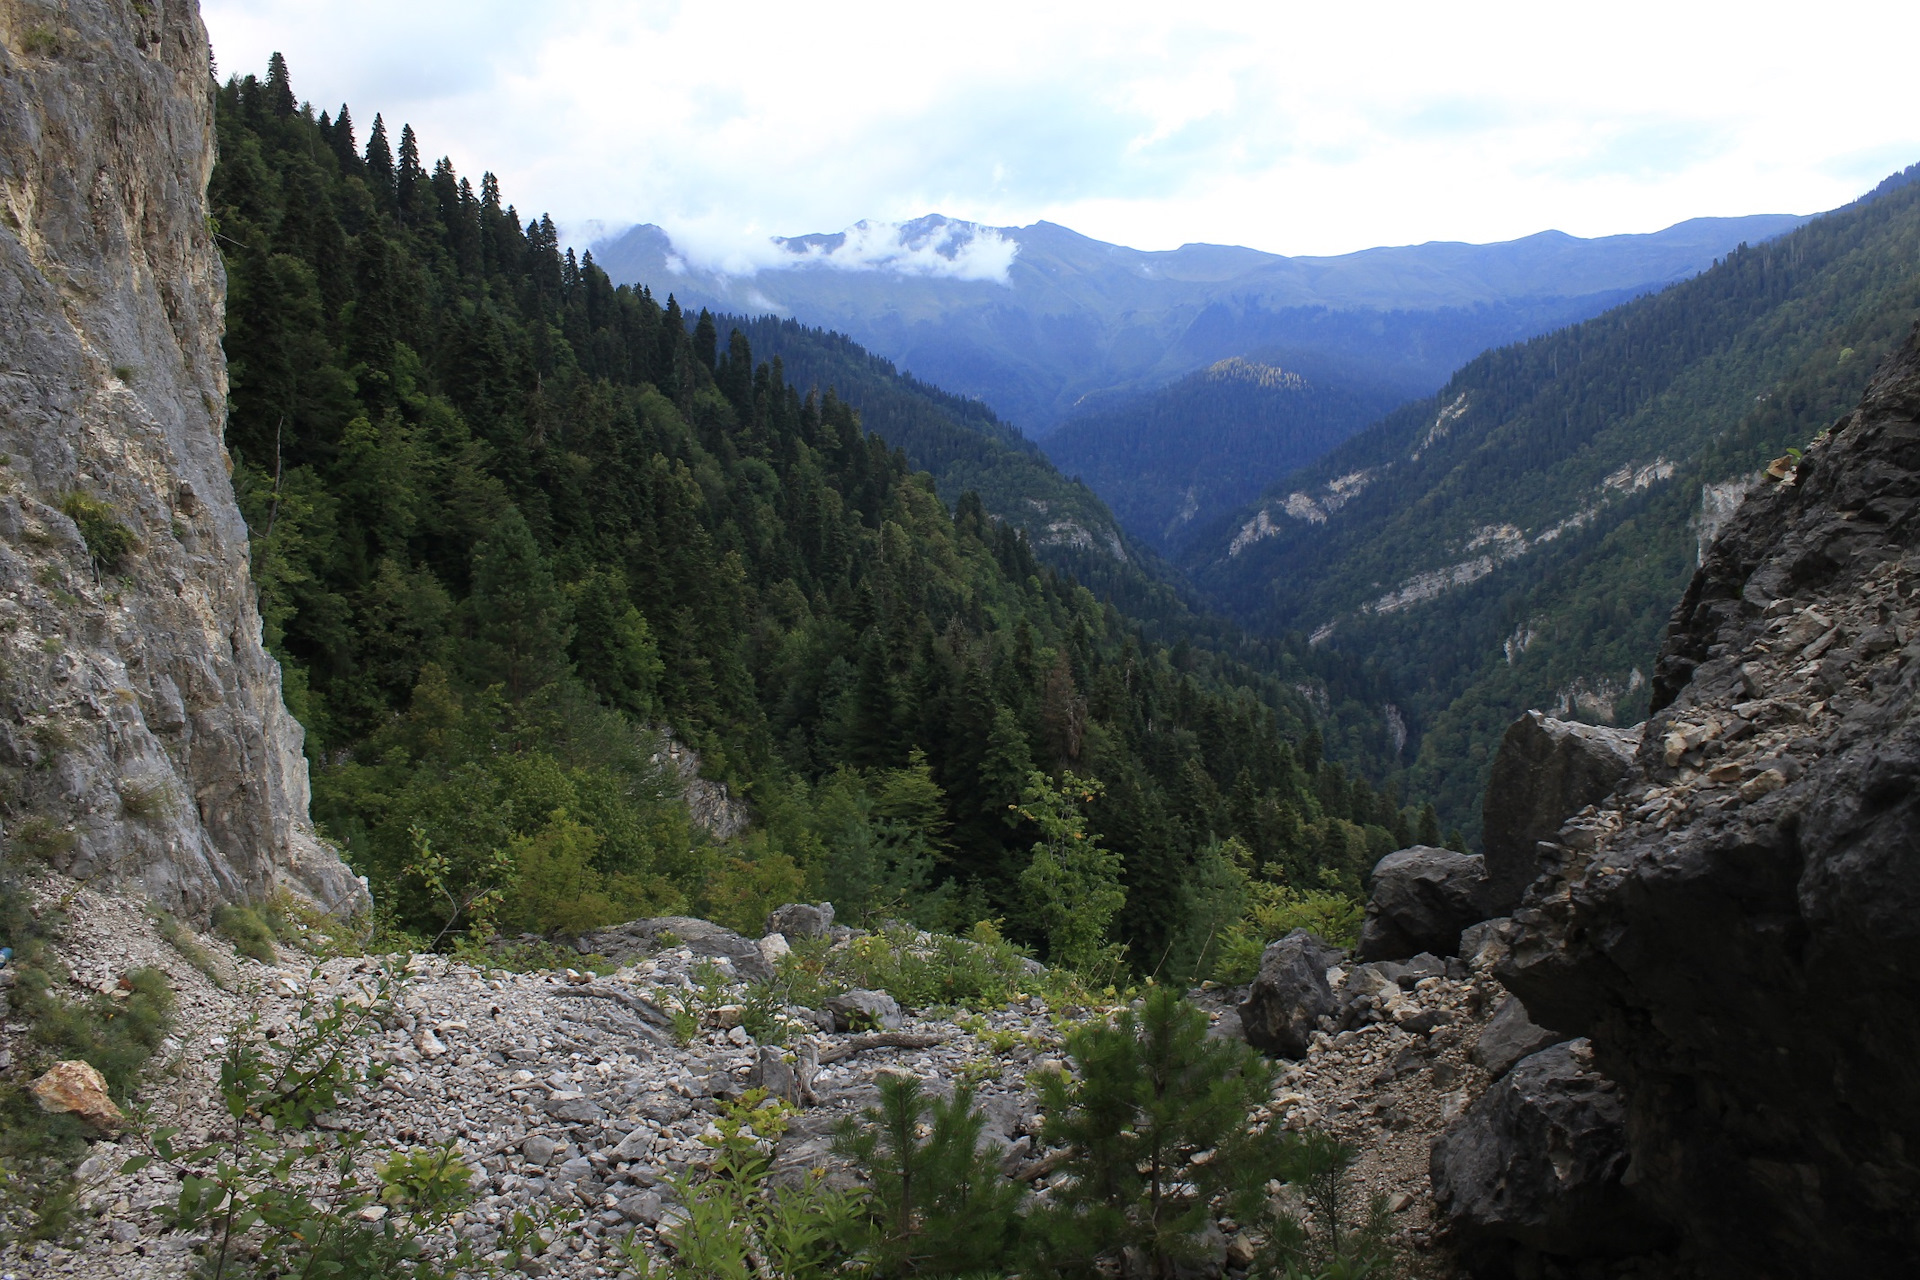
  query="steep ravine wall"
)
[
  {"x": 1734, "y": 928},
  {"x": 143, "y": 733}
]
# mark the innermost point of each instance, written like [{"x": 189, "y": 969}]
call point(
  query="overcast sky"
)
[{"x": 1291, "y": 128}]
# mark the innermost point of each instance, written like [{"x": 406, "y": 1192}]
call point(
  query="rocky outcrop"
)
[
  {"x": 637, "y": 939},
  {"x": 1545, "y": 771},
  {"x": 801, "y": 920},
  {"x": 1538, "y": 1163},
  {"x": 1422, "y": 898},
  {"x": 1284, "y": 1005},
  {"x": 1733, "y": 928},
  {"x": 144, "y": 733},
  {"x": 1508, "y": 1037}
]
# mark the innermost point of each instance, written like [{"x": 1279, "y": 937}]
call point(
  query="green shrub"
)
[
  {"x": 739, "y": 1225},
  {"x": 1149, "y": 1092},
  {"x": 108, "y": 541},
  {"x": 146, "y": 802},
  {"x": 1274, "y": 912},
  {"x": 308, "y": 1202},
  {"x": 181, "y": 940},
  {"x": 921, "y": 970},
  {"x": 937, "y": 1204},
  {"x": 246, "y": 927},
  {"x": 38, "y": 1150},
  {"x": 41, "y": 838}
]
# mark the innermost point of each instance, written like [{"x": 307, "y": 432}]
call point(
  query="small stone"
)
[
  {"x": 429, "y": 1044},
  {"x": 644, "y": 1207},
  {"x": 634, "y": 1145},
  {"x": 77, "y": 1087},
  {"x": 578, "y": 1169},
  {"x": 1240, "y": 1251},
  {"x": 539, "y": 1149}
]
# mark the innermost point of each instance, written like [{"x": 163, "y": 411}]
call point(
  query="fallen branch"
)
[
  {"x": 883, "y": 1040},
  {"x": 1044, "y": 1165}
]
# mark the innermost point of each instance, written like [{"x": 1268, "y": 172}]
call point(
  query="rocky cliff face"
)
[
  {"x": 143, "y": 732},
  {"x": 1733, "y": 927}
]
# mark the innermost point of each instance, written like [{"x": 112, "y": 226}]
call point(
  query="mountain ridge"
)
[
  {"x": 1513, "y": 540},
  {"x": 1039, "y": 317}
]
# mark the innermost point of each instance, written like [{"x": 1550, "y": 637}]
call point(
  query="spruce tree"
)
[
  {"x": 280, "y": 98},
  {"x": 519, "y": 615},
  {"x": 380, "y": 164},
  {"x": 341, "y": 140}
]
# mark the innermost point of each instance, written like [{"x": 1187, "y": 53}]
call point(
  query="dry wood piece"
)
[
  {"x": 1044, "y": 1165},
  {"x": 881, "y": 1040}
]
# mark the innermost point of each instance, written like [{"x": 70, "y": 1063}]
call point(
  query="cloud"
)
[
  {"x": 1287, "y": 126},
  {"x": 930, "y": 247}
]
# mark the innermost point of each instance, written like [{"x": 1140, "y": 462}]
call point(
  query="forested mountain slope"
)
[
  {"x": 1041, "y": 321},
  {"x": 967, "y": 448},
  {"x": 506, "y": 518},
  {"x": 1517, "y": 539},
  {"x": 1177, "y": 459}
]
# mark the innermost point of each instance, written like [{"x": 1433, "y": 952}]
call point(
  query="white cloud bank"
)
[
  {"x": 1298, "y": 128},
  {"x": 946, "y": 248}
]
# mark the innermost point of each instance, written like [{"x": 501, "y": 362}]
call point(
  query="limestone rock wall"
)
[
  {"x": 1734, "y": 926},
  {"x": 142, "y": 732}
]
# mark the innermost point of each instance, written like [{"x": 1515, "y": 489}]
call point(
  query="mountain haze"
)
[
  {"x": 1174, "y": 459},
  {"x": 1040, "y": 321},
  {"x": 1517, "y": 539}
]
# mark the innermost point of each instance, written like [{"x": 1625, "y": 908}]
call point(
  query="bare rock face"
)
[
  {"x": 623, "y": 943},
  {"x": 1538, "y": 1163},
  {"x": 1284, "y": 1005},
  {"x": 1733, "y": 929},
  {"x": 143, "y": 732},
  {"x": 1422, "y": 898},
  {"x": 1545, "y": 771}
]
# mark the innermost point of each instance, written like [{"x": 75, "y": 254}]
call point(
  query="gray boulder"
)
[
  {"x": 864, "y": 1011},
  {"x": 1422, "y": 898},
  {"x": 1508, "y": 1037},
  {"x": 621, "y": 943},
  {"x": 1284, "y": 1005},
  {"x": 1546, "y": 771},
  {"x": 801, "y": 920},
  {"x": 1537, "y": 1163}
]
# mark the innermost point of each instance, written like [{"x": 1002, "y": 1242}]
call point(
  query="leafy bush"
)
[
  {"x": 1274, "y": 911},
  {"x": 1073, "y": 885}
]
